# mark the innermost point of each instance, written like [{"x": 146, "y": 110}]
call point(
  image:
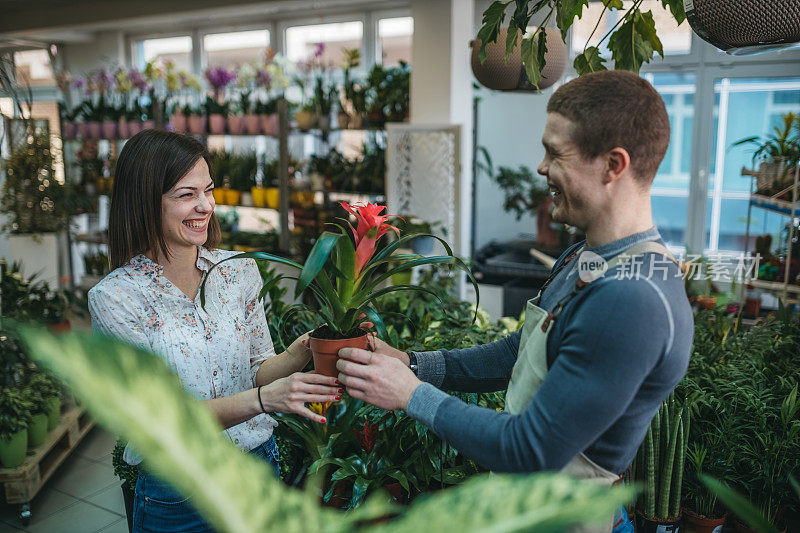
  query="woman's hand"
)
[
  {"x": 299, "y": 349},
  {"x": 290, "y": 394}
]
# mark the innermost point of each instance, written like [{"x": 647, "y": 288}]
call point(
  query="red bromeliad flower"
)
[
  {"x": 367, "y": 435},
  {"x": 371, "y": 227}
]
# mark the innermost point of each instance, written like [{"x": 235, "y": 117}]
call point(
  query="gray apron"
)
[{"x": 531, "y": 368}]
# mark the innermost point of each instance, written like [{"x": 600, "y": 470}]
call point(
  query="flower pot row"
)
[
  {"x": 218, "y": 124},
  {"x": 689, "y": 522},
  {"x": 14, "y": 449},
  {"x": 109, "y": 129}
]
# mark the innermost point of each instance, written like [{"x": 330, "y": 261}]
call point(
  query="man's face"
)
[{"x": 576, "y": 182}]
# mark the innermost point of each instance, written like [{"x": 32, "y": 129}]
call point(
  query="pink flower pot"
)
[
  {"x": 252, "y": 124},
  {"x": 134, "y": 127},
  {"x": 122, "y": 128},
  {"x": 109, "y": 129},
  {"x": 94, "y": 130},
  {"x": 148, "y": 124},
  {"x": 269, "y": 124},
  {"x": 69, "y": 130},
  {"x": 235, "y": 124},
  {"x": 178, "y": 122},
  {"x": 197, "y": 124},
  {"x": 216, "y": 123},
  {"x": 83, "y": 129}
]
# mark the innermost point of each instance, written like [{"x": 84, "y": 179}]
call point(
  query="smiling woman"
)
[{"x": 162, "y": 238}]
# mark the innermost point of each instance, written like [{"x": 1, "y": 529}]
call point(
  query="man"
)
[{"x": 597, "y": 354}]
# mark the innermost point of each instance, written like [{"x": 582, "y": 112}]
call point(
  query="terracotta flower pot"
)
[
  {"x": 326, "y": 352},
  {"x": 235, "y": 124},
  {"x": 700, "y": 524},
  {"x": 109, "y": 129},
  {"x": 744, "y": 528},
  {"x": 13, "y": 450},
  {"x": 148, "y": 124},
  {"x": 179, "y": 122},
  {"x": 216, "y": 123},
  {"x": 219, "y": 195},
  {"x": 134, "y": 127},
  {"x": 232, "y": 197},
  {"x": 269, "y": 124},
  {"x": 395, "y": 490},
  {"x": 356, "y": 121},
  {"x": 343, "y": 120},
  {"x": 69, "y": 130},
  {"x": 252, "y": 124},
  {"x": 94, "y": 130},
  {"x": 82, "y": 129},
  {"x": 706, "y": 302},
  {"x": 272, "y": 197},
  {"x": 122, "y": 128},
  {"x": 197, "y": 124},
  {"x": 61, "y": 327}
]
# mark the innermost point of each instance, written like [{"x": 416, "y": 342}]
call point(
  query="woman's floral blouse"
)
[{"x": 215, "y": 351}]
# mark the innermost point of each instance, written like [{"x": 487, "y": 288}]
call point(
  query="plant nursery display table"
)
[{"x": 21, "y": 484}]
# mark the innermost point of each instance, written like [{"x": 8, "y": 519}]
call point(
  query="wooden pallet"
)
[{"x": 22, "y": 483}]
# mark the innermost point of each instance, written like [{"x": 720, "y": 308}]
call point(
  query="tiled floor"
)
[{"x": 83, "y": 496}]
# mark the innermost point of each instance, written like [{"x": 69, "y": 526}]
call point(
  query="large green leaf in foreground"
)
[{"x": 132, "y": 393}]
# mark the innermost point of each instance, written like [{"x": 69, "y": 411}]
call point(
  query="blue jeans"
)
[{"x": 157, "y": 508}]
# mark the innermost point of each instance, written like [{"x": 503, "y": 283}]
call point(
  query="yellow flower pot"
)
[
  {"x": 219, "y": 196},
  {"x": 232, "y": 197},
  {"x": 259, "y": 196},
  {"x": 302, "y": 198},
  {"x": 305, "y": 119},
  {"x": 272, "y": 197}
]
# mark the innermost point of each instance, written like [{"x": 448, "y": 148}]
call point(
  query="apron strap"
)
[{"x": 624, "y": 256}]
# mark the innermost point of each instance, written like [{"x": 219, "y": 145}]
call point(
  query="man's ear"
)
[{"x": 618, "y": 162}]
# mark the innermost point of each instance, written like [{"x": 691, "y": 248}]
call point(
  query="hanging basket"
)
[
  {"x": 500, "y": 75},
  {"x": 741, "y": 27}
]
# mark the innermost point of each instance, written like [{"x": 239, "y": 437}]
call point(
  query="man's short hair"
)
[{"x": 612, "y": 109}]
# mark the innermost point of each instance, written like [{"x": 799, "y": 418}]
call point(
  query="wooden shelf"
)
[
  {"x": 22, "y": 483},
  {"x": 775, "y": 286}
]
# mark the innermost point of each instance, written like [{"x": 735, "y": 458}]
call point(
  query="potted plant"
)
[
  {"x": 178, "y": 119},
  {"x": 15, "y": 416},
  {"x": 343, "y": 276},
  {"x": 701, "y": 509},
  {"x": 216, "y": 113},
  {"x": 244, "y": 176},
  {"x": 659, "y": 465},
  {"x": 196, "y": 119},
  {"x": 324, "y": 97},
  {"x": 421, "y": 245},
  {"x": 235, "y": 119},
  {"x": 47, "y": 389},
  {"x": 268, "y": 116},
  {"x": 95, "y": 266},
  {"x": 306, "y": 117},
  {"x": 37, "y": 429},
  {"x": 778, "y": 153}
]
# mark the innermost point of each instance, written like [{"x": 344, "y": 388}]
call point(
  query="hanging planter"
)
[
  {"x": 500, "y": 75},
  {"x": 742, "y": 27}
]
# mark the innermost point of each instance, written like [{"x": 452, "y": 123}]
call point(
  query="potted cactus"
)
[
  {"x": 15, "y": 416},
  {"x": 658, "y": 466},
  {"x": 344, "y": 276}
]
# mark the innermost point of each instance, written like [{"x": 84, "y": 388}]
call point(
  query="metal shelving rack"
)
[{"x": 788, "y": 292}]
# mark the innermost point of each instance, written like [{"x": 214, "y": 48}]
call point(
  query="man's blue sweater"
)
[{"x": 615, "y": 353}]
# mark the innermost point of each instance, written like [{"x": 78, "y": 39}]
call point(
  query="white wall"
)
[
  {"x": 510, "y": 126},
  {"x": 107, "y": 48}
]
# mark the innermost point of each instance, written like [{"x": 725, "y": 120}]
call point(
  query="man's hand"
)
[
  {"x": 375, "y": 378},
  {"x": 378, "y": 346}
]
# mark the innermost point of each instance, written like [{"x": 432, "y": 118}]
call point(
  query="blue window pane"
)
[{"x": 669, "y": 216}]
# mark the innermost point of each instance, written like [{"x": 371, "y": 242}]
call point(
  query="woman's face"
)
[{"x": 186, "y": 209}]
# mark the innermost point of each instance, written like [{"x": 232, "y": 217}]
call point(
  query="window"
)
[
  {"x": 176, "y": 49},
  {"x": 302, "y": 42},
  {"x": 33, "y": 68},
  {"x": 394, "y": 40},
  {"x": 235, "y": 48},
  {"x": 670, "y": 192},
  {"x": 675, "y": 39},
  {"x": 743, "y": 108}
]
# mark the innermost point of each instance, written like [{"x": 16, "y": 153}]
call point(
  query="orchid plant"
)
[{"x": 344, "y": 274}]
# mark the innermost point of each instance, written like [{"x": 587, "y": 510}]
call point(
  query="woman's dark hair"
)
[{"x": 150, "y": 164}]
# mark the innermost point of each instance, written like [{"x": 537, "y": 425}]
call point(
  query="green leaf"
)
[
  {"x": 386, "y": 252},
  {"x": 511, "y": 38},
  {"x": 566, "y": 11},
  {"x": 589, "y": 61},
  {"x": 316, "y": 260},
  {"x": 247, "y": 255},
  {"x": 530, "y": 58},
  {"x": 492, "y": 19},
  {"x": 738, "y": 505},
  {"x": 634, "y": 42},
  {"x": 376, "y": 319},
  {"x": 676, "y": 8},
  {"x": 616, "y": 4}
]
